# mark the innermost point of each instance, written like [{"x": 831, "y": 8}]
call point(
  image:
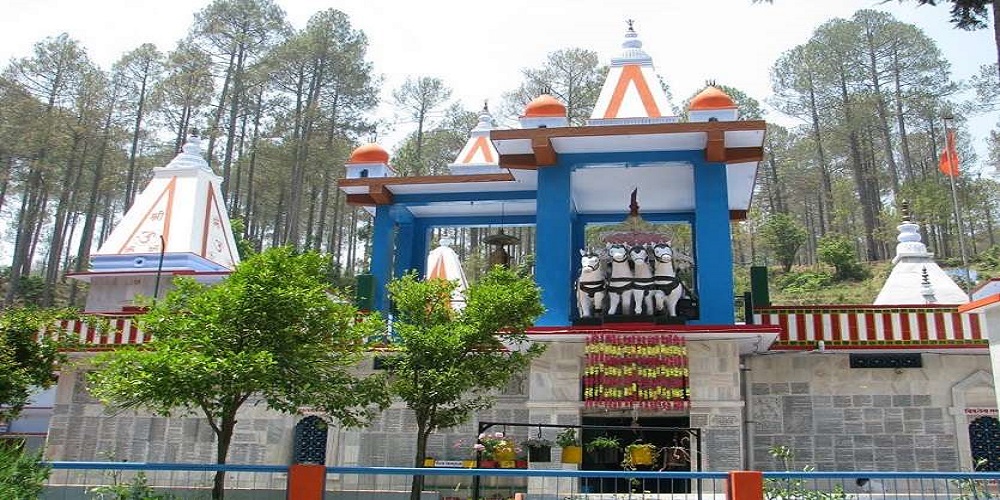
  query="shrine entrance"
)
[{"x": 670, "y": 436}]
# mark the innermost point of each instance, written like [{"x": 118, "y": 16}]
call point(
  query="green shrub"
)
[
  {"x": 22, "y": 474},
  {"x": 838, "y": 251},
  {"x": 807, "y": 281},
  {"x": 136, "y": 489}
]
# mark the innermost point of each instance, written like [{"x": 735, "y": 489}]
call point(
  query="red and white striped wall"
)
[
  {"x": 874, "y": 326},
  {"x": 105, "y": 331}
]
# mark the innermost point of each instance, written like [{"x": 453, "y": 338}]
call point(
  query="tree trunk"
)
[
  {"x": 130, "y": 187},
  {"x": 904, "y": 142},
  {"x": 417, "y": 484},
  {"x": 861, "y": 177},
  {"x": 883, "y": 118},
  {"x": 996, "y": 30},
  {"x": 825, "y": 180},
  {"x": 234, "y": 106},
  {"x": 225, "y": 437},
  {"x": 25, "y": 225}
]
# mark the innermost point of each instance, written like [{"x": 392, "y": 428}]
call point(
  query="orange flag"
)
[{"x": 949, "y": 157}]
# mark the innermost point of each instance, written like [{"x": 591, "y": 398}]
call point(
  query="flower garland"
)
[{"x": 645, "y": 371}]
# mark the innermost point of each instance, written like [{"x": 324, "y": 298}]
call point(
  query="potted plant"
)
[
  {"x": 496, "y": 448},
  {"x": 639, "y": 453},
  {"x": 539, "y": 449},
  {"x": 604, "y": 449},
  {"x": 521, "y": 462},
  {"x": 572, "y": 453}
]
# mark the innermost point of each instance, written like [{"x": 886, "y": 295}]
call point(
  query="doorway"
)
[{"x": 674, "y": 447}]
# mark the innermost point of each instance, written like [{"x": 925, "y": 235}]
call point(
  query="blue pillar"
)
[
  {"x": 579, "y": 240},
  {"x": 418, "y": 249},
  {"x": 554, "y": 244},
  {"x": 382, "y": 250},
  {"x": 403, "y": 260},
  {"x": 713, "y": 244}
]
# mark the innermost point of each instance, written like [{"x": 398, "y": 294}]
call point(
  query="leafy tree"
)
[
  {"x": 439, "y": 146},
  {"x": 784, "y": 236},
  {"x": 270, "y": 331},
  {"x": 838, "y": 251},
  {"x": 972, "y": 15},
  {"x": 22, "y": 474},
  {"x": 572, "y": 75},
  {"x": 968, "y": 15},
  {"x": 419, "y": 98},
  {"x": 447, "y": 362},
  {"x": 26, "y": 363}
]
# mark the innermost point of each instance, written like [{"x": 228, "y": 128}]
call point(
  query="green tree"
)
[
  {"x": 446, "y": 363},
  {"x": 572, "y": 75},
  {"x": 269, "y": 331},
  {"x": 972, "y": 15},
  {"x": 418, "y": 99},
  {"x": 22, "y": 474},
  {"x": 26, "y": 363},
  {"x": 440, "y": 145},
  {"x": 838, "y": 251},
  {"x": 783, "y": 235}
]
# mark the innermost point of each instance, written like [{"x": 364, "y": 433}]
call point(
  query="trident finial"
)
[
  {"x": 629, "y": 22},
  {"x": 486, "y": 105}
]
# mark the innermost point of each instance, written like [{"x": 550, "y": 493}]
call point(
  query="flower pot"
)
[
  {"x": 605, "y": 456},
  {"x": 505, "y": 455},
  {"x": 488, "y": 464},
  {"x": 428, "y": 462},
  {"x": 640, "y": 455},
  {"x": 572, "y": 455},
  {"x": 540, "y": 453},
  {"x": 520, "y": 464},
  {"x": 469, "y": 464},
  {"x": 507, "y": 464}
]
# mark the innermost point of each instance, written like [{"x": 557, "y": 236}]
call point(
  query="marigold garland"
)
[{"x": 624, "y": 371}]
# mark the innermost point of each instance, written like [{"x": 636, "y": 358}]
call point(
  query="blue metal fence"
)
[
  {"x": 881, "y": 485},
  {"x": 98, "y": 480}
]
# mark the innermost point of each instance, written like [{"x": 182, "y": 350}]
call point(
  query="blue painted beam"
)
[
  {"x": 618, "y": 217},
  {"x": 580, "y": 160},
  {"x": 424, "y": 199},
  {"x": 713, "y": 245},
  {"x": 479, "y": 220}
]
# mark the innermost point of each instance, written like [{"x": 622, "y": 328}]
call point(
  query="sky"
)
[{"x": 479, "y": 48}]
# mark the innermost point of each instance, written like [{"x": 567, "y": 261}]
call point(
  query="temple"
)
[{"x": 901, "y": 384}]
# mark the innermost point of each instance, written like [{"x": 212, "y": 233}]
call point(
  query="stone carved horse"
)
[
  {"x": 620, "y": 281},
  {"x": 591, "y": 287},
  {"x": 667, "y": 288},
  {"x": 642, "y": 280}
]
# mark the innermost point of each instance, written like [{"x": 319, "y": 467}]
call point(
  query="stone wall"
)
[
  {"x": 84, "y": 429},
  {"x": 862, "y": 419}
]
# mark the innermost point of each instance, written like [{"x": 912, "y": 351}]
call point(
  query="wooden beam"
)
[
  {"x": 524, "y": 162},
  {"x": 715, "y": 147},
  {"x": 611, "y": 130},
  {"x": 744, "y": 155},
  {"x": 544, "y": 154},
  {"x": 425, "y": 179},
  {"x": 360, "y": 199},
  {"x": 737, "y": 215},
  {"x": 381, "y": 194}
]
